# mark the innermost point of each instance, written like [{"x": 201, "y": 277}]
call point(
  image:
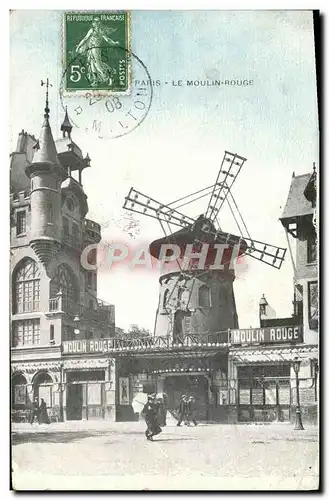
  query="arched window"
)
[
  {"x": 65, "y": 281},
  {"x": 26, "y": 286},
  {"x": 204, "y": 296}
]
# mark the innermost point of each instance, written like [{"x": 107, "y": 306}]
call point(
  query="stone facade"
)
[{"x": 54, "y": 298}]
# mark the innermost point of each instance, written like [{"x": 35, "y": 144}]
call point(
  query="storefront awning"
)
[{"x": 267, "y": 355}]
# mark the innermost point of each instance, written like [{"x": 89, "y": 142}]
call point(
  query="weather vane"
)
[{"x": 47, "y": 95}]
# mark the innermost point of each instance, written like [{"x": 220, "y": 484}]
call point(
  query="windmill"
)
[{"x": 191, "y": 299}]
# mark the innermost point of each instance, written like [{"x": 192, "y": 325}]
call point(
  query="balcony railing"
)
[{"x": 103, "y": 311}]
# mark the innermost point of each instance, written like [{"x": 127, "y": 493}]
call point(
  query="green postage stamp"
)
[{"x": 96, "y": 52}]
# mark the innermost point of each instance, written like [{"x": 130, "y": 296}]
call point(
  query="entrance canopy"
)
[{"x": 275, "y": 354}]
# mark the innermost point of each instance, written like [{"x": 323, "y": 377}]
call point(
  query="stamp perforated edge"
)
[{"x": 91, "y": 92}]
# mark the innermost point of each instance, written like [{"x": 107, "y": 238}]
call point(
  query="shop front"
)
[
  {"x": 262, "y": 379},
  {"x": 175, "y": 374},
  {"x": 88, "y": 381},
  {"x": 264, "y": 393}
]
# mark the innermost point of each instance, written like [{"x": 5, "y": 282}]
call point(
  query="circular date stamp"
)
[{"x": 109, "y": 116}]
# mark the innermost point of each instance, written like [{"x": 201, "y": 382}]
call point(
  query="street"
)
[{"x": 98, "y": 455}]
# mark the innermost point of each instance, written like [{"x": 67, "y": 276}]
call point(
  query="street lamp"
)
[
  {"x": 299, "y": 425},
  {"x": 76, "y": 324}
]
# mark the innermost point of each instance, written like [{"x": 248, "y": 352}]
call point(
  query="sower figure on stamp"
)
[
  {"x": 150, "y": 412},
  {"x": 35, "y": 413},
  {"x": 98, "y": 71}
]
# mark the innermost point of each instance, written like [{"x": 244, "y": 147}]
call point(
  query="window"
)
[
  {"x": 21, "y": 222},
  {"x": 52, "y": 333},
  {"x": 66, "y": 227},
  {"x": 91, "y": 304},
  {"x": 89, "y": 334},
  {"x": 70, "y": 204},
  {"x": 204, "y": 296},
  {"x": 26, "y": 286},
  {"x": 313, "y": 298},
  {"x": 311, "y": 249},
  {"x": 68, "y": 332},
  {"x": 26, "y": 332},
  {"x": 262, "y": 309},
  {"x": 50, "y": 213},
  {"x": 298, "y": 302},
  {"x": 64, "y": 280},
  {"x": 75, "y": 232}
]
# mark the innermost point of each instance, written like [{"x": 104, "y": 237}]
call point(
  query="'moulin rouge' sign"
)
[{"x": 279, "y": 335}]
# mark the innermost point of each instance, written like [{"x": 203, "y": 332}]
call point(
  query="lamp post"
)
[
  {"x": 299, "y": 425},
  {"x": 316, "y": 371}
]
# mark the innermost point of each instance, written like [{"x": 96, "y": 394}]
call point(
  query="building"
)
[
  {"x": 236, "y": 375},
  {"x": 63, "y": 343},
  {"x": 54, "y": 299},
  {"x": 262, "y": 380}
]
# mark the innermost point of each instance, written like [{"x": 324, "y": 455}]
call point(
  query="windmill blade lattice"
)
[
  {"x": 145, "y": 205},
  {"x": 228, "y": 172}
]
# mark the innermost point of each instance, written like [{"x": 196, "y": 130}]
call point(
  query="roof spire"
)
[
  {"x": 46, "y": 115},
  {"x": 45, "y": 150},
  {"x": 66, "y": 126}
]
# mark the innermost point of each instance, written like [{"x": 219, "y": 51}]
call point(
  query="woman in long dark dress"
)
[
  {"x": 150, "y": 413},
  {"x": 43, "y": 414}
]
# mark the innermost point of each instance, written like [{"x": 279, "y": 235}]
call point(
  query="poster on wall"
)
[
  {"x": 20, "y": 394},
  {"x": 124, "y": 390}
]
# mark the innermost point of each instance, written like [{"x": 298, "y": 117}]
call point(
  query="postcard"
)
[{"x": 164, "y": 234}]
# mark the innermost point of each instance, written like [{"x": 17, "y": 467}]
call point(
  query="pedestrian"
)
[
  {"x": 190, "y": 411},
  {"x": 182, "y": 409},
  {"x": 43, "y": 414},
  {"x": 150, "y": 413},
  {"x": 35, "y": 413},
  {"x": 162, "y": 411}
]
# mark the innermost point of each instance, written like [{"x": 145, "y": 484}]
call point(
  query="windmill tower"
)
[{"x": 198, "y": 298}]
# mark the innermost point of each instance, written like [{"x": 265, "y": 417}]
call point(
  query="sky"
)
[{"x": 179, "y": 146}]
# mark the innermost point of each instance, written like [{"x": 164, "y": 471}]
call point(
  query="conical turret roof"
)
[
  {"x": 66, "y": 125},
  {"x": 46, "y": 153}
]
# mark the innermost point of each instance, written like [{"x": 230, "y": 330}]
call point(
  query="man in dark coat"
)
[
  {"x": 190, "y": 410},
  {"x": 150, "y": 413},
  {"x": 162, "y": 409},
  {"x": 182, "y": 409},
  {"x": 35, "y": 413}
]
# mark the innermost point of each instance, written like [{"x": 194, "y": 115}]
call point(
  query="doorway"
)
[
  {"x": 74, "y": 401},
  {"x": 191, "y": 385}
]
